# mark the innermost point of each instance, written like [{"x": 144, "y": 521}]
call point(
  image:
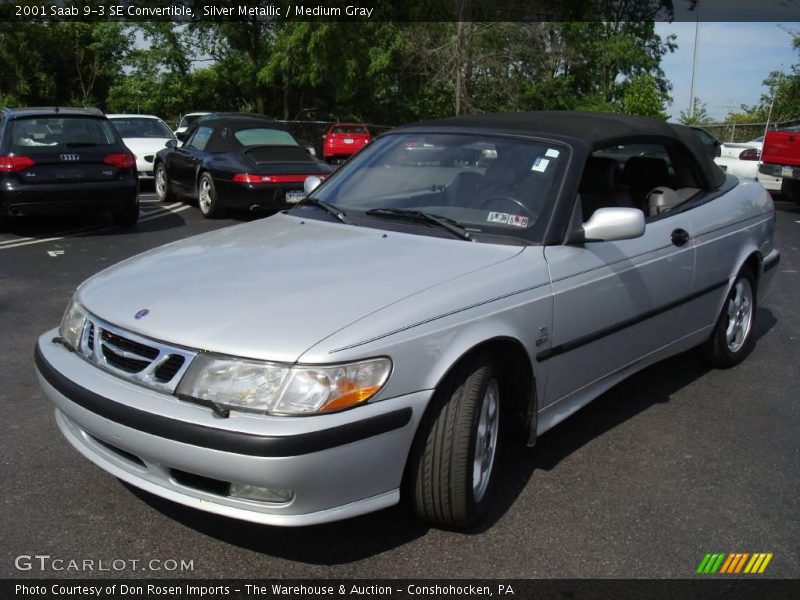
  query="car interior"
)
[{"x": 634, "y": 176}]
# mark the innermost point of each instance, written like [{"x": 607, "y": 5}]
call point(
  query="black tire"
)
[
  {"x": 441, "y": 476},
  {"x": 163, "y": 191},
  {"x": 127, "y": 217},
  {"x": 209, "y": 205},
  {"x": 719, "y": 350}
]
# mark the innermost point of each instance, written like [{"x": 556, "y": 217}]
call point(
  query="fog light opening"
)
[{"x": 260, "y": 494}]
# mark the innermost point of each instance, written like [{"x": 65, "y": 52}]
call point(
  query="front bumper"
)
[{"x": 337, "y": 465}]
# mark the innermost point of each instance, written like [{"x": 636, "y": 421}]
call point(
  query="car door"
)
[
  {"x": 186, "y": 158},
  {"x": 615, "y": 302}
]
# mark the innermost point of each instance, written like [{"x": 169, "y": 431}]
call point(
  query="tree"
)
[
  {"x": 643, "y": 97},
  {"x": 699, "y": 116}
]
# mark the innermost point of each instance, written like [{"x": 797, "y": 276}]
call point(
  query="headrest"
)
[
  {"x": 598, "y": 175},
  {"x": 646, "y": 171}
]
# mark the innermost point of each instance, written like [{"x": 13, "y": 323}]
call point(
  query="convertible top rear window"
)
[{"x": 264, "y": 137}]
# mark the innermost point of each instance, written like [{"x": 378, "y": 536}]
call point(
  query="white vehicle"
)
[
  {"x": 187, "y": 120},
  {"x": 741, "y": 159},
  {"x": 144, "y": 135}
]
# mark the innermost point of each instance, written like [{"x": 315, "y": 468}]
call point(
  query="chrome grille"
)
[{"x": 132, "y": 356}]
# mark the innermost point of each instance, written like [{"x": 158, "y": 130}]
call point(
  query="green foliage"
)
[
  {"x": 699, "y": 116},
  {"x": 79, "y": 73},
  {"x": 643, "y": 97},
  {"x": 381, "y": 72}
]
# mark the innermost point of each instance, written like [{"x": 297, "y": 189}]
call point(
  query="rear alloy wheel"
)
[
  {"x": 732, "y": 339},
  {"x": 207, "y": 198},
  {"x": 453, "y": 466},
  {"x": 127, "y": 217},
  {"x": 163, "y": 191}
]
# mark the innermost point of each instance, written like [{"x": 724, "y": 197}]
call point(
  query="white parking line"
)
[
  {"x": 15, "y": 240},
  {"x": 162, "y": 212},
  {"x": 154, "y": 216}
]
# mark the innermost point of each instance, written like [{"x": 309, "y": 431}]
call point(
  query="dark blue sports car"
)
[{"x": 236, "y": 161}]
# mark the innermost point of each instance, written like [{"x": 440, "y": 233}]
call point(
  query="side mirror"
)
[
  {"x": 311, "y": 183},
  {"x": 717, "y": 149},
  {"x": 171, "y": 144},
  {"x": 612, "y": 224},
  {"x": 181, "y": 136}
]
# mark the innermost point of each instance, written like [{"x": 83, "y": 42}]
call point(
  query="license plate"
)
[
  {"x": 348, "y": 140},
  {"x": 787, "y": 171},
  {"x": 294, "y": 197}
]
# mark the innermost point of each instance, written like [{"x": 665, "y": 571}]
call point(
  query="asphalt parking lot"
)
[{"x": 676, "y": 462}]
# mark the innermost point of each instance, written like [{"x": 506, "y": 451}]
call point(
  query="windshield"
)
[
  {"x": 264, "y": 137},
  {"x": 48, "y": 134},
  {"x": 137, "y": 127},
  {"x": 490, "y": 185}
]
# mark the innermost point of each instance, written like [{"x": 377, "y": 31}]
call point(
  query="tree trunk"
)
[{"x": 457, "y": 63}]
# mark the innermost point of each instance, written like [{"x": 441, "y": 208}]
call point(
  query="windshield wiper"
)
[
  {"x": 450, "y": 225},
  {"x": 340, "y": 215}
]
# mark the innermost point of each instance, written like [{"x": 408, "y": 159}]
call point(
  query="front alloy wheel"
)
[
  {"x": 162, "y": 184},
  {"x": 486, "y": 441},
  {"x": 453, "y": 463}
]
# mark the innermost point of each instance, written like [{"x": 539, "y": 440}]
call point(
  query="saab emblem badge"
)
[{"x": 142, "y": 313}]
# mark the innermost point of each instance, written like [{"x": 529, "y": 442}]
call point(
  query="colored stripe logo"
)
[{"x": 732, "y": 563}]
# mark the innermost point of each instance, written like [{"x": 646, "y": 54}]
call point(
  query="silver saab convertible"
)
[{"x": 455, "y": 283}]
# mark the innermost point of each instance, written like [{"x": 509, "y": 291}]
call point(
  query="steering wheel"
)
[{"x": 494, "y": 198}]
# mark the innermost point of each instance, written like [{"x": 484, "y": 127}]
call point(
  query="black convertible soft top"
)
[{"x": 590, "y": 129}]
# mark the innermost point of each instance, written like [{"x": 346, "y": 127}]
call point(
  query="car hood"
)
[
  {"x": 141, "y": 146},
  {"x": 273, "y": 288}
]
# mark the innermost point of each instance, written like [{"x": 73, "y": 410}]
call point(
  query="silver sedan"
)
[{"x": 456, "y": 284}]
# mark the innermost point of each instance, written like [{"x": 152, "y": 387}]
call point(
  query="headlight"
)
[
  {"x": 72, "y": 324},
  {"x": 257, "y": 386}
]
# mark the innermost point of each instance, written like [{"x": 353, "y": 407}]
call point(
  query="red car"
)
[{"x": 343, "y": 140}]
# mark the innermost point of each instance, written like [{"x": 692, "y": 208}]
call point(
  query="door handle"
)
[{"x": 680, "y": 237}]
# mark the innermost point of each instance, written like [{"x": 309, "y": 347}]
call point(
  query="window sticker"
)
[
  {"x": 506, "y": 219},
  {"x": 540, "y": 164},
  {"x": 517, "y": 220},
  {"x": 552, "y": 153},
  {"x": 496, "y": 217}
]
